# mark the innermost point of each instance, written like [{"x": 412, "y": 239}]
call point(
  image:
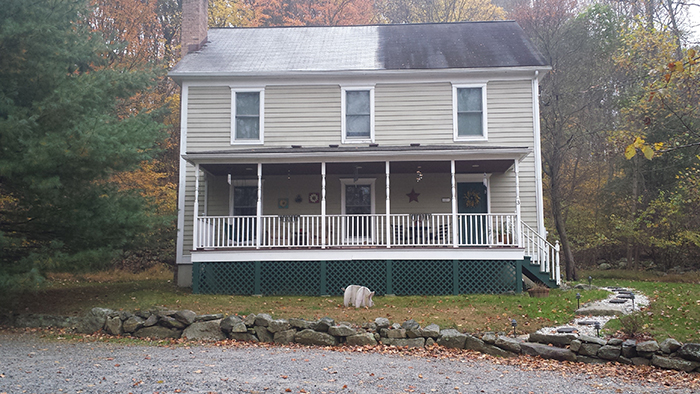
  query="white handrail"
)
[{"x": 541, "y": 252}]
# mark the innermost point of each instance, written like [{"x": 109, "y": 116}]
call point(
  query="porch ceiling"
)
[{"x": 364, "y": 168}]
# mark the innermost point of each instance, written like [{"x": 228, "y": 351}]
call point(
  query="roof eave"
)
[
  {"x": 471, "y": 153},
  {"x": 540, "y": 69}
]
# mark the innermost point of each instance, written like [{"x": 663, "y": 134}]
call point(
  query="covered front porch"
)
[{"x": 273, "y": 206}]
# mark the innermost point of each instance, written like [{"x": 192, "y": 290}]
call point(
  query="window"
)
[
  {"x": 358, "y": 115},
  {"x": 469, "y": 112},
  {"x": 247, "y": 117}
]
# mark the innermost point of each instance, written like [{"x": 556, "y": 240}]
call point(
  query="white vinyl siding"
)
[{"x": 208, "y": 118}]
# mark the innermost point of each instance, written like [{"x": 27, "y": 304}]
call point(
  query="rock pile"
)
[{"x": 164, "y": 324}]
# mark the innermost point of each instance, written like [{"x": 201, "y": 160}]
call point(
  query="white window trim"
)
[
  {"x": 360, "y": 181},
  {"x": 484, "y": 110},
  {"x": 261, "y": 133},
  {"x": 343, "y": 107},
  {"x": 233, "y": 183}
]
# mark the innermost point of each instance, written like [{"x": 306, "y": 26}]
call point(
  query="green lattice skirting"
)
[{"x": 399, "y": 277}]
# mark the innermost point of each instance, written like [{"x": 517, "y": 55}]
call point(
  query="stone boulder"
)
[
  {"x": 213, "y": 316},
  {"x": 452, "y": 338},
  {"x": 669, "y": 345},
  {"x": 608, "y": 352},
  {"x": 323, "y": 324},
  {"x": 677, "y": 364},
  {"x": 243, "y": 336},
  {"x": 509, "y": 344},
  {"x": 209, "y": 330},
  {"x": 549, "y": 352},
  {"x": 263, "y": 320},
  {"x": 278, "y": 325},
  {"x": 158, "y": 332},
  {"x": 404, "y": 342},
  {"x": 185, "y": 317},
  {"x": 311, "y": 337},
  {"x": 382, "y": 322},
  {"x": 285, "y": 337},
  {"x": 590, "y": 339},
  {"x": 171, "y": 322},
  {"x": 431, "y": 331},
  {"x": 364, "y": 339},
  {"x": 93, "y": 321},
  {"x": 151, "y": 320},
  {"x": 398, "y": 333},
  {"x": 647, "y": 348},
  {"x": 589, "y": 349},
  {"x": 557, "y": 340},
  {"x": 410, "y": 325},
  {"x": 690, "y": 351},
  {"x": 113, "y": 324},
  {"x": 233, "y": 324},
  {"x": 263, "y": 334},
  {"x": 341, "y": 331},
  {"x": 133, "y": 324},
  {"x": 299, "y": 323},
  {"x": 489, "y": 337}
]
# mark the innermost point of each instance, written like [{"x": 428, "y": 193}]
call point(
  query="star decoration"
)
[{"x": 413, "y": 196}]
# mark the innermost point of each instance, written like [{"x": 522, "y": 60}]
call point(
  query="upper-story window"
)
[
  {"x": 469, "y": 106},
  {"x": 247, "y": 116},
  {"x": 358, "y": 115}
]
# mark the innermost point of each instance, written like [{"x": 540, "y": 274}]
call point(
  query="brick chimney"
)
[{"x": 194, "y": 25}]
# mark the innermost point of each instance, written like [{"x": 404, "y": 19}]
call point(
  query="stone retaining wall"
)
[{"x": 164, "y": 324}]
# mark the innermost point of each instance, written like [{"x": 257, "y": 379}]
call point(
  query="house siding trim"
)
[{"x": 180, "y": 258}]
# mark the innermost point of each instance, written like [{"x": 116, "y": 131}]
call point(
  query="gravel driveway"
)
[{"x": 30, "y": 364}]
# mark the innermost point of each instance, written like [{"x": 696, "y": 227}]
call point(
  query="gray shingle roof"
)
[{"x": 362, "y": 48}]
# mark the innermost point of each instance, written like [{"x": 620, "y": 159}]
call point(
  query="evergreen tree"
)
[{"x": 61, "y": 138}]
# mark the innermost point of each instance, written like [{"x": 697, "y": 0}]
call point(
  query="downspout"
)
[{"x": 537, "y": 145}]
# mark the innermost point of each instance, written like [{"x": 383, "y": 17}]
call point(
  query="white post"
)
[
  {"x": 388, "y": 208},
  {"x": 455, "y": 241},
  {"x": 258, "y": 231},
  {"x": 556, "y": 261},
  {"x": 323, "y": 205},
  {"x": 518, "y": 218},
  {"x": 195, "y": 233}
]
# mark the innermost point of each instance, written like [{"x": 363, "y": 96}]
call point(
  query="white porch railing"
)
[
  {"x": 400, "y": 230},
  {"x": 415, "y": 230},
  {"x": 542, "y": 252}
]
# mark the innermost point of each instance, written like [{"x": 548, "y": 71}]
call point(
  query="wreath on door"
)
[{"x": 471, "y": 199}]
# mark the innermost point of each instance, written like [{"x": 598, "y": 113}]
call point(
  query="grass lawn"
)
[
  {"x": 675, "y": 311},
  {"x": 675, "y": 302}
]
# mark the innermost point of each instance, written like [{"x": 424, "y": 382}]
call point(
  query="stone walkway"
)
[{"x": 619, "y": 302}]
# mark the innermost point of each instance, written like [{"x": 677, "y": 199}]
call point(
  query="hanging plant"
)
[{"x": 471, "y": 199}]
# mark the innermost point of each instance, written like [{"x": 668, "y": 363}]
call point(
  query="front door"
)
[
  {"x": 472, "y": 199},
  {"x": 358, "y": 201},
  {"x": 245, "y": 203}
]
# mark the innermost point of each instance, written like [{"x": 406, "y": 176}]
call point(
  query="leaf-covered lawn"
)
[{"x": 674, "y": 312}]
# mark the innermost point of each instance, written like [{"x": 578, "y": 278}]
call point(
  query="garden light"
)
[
  {"x": 589, "y": 280},
  {"x": 597, "y": 328},
  {"x": 513, "y": 323},
  {"x": 578, "y": 300}
]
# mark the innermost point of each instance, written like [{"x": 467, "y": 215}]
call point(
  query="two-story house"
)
[{"x": 401, "y": 157}]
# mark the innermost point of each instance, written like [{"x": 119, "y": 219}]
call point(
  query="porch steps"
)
[{"x": 532, "y": 271}]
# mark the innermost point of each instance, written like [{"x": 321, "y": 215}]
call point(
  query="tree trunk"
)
[{"x": 569, "y": 263}]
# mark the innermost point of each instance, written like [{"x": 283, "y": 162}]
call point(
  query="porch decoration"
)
[
  {"x": 413, "y": 196},
  {"x": 298, "y": 199},
  {"x": 314, "y": 198},
  {"x": 283, "y": 203},
  {"x": 471, "y": 199}
]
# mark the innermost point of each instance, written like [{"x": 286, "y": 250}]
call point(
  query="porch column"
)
[
  {"x": 455, "y": 241},
  {"x": 259, "y": 232},
  {"x": 195, "y": 215},
  {"x": 388, "y": 207},
  {"x": 323, "y": 205},
  {"x": 519, "y": 227}
]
